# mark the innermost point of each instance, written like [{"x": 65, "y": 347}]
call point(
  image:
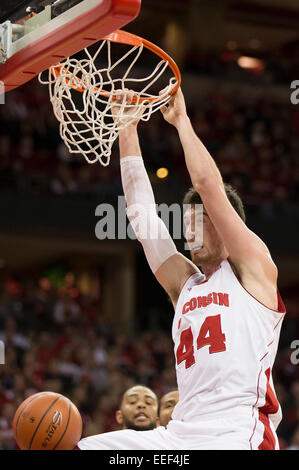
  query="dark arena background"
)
[{"x": 85, "y": 317}]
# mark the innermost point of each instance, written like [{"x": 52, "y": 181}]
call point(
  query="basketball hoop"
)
[{"x": 83, "y": 93}]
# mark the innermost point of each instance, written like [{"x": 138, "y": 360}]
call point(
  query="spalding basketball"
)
[{"x": 47, "y": 421}]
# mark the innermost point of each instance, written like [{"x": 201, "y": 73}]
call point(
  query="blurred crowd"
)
[
  {"x": 281, "y": 69},
  {"x": 56, "y": 339},
  {"x": 253, "y": 138}
]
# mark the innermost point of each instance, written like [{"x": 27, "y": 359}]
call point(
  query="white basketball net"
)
[{"x": 89, "y": 120}]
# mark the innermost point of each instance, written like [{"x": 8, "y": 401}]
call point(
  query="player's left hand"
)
[{"x": 124, "y": 110}]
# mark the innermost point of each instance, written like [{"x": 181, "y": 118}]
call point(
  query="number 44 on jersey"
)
[{"x": 210, "y": 334}]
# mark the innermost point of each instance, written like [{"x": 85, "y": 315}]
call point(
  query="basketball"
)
[{"x": 47, "y": 421}]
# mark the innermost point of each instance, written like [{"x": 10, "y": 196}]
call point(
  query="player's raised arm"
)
[
  {"x": 171, "y": 268},
  {"x": 246, "y": 251}
]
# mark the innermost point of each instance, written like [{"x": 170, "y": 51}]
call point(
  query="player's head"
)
[
  {"x": 138, "y": 409},
  {"x": 211, "y": 247},
  {"x": 167, "y": 404}
]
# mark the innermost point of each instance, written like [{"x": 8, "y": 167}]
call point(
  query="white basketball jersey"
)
[{"x": 225, "y": 345}]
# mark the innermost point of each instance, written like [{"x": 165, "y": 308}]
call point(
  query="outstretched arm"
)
[
  {"x": 200, "y": 164},
  {"x": 171, "y": 268},
  {"x": 247, "y": 252}
]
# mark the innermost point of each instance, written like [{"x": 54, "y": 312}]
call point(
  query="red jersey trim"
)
[
  {"x": 268, "y": 442},
  {"x": 271, "y": 406}
]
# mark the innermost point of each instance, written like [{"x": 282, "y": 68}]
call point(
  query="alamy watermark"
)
[
  {"x": 295, "y": 354},
  {"x": 2, "y": 93},
  {"x": 182, "y": 222},
  {"x": 295, "y": 94},
  {"x": 2, "y": 353}
]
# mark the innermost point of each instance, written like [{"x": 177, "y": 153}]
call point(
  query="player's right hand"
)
[{"x": 175, "y": 109}]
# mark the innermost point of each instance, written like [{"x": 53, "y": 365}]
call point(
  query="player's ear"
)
[
  {"x": 119, "y": 417},
  {"x": 158, "y": 421}
]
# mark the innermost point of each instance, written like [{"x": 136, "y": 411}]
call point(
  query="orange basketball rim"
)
[{"x": 124, "y": 37}]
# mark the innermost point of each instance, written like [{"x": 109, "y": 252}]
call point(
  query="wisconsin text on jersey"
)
[{"x": 217, "y": 298}]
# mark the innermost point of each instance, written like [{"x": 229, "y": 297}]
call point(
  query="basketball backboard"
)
[{"x": 36, "y": 34}]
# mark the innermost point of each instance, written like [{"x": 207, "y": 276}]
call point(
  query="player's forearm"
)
[
  {"x": 134, "y": 182},
  {"x": 141, "y": 210},
  {"x": 201, "y": 166},
  {"x": 129, "y": 142}
]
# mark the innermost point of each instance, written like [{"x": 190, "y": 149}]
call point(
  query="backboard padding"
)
[{"x": 67, "y": 39}]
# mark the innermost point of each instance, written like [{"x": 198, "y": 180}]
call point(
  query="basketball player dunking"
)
[{"x": 228, "y": 312}]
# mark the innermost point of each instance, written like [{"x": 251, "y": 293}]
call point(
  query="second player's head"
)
[
  {"x": 138, "y": 409},
  {"x": 167, "y": 404},
  {"x": 206, "y": 246}
]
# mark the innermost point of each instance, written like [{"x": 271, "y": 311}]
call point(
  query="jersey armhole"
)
[
  {"x": 198, "y": 275},
  {"x": 281, "y": 307}
]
